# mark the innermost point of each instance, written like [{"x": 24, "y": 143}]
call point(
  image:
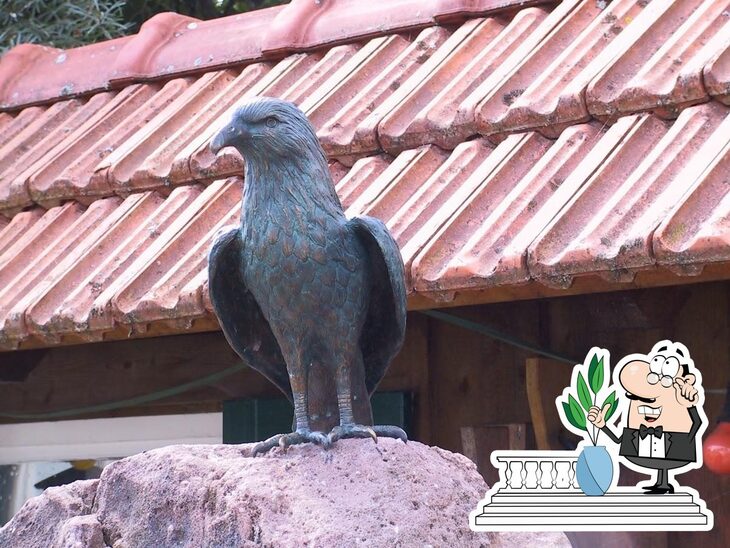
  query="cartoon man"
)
[{"x": 663, "y": 418}]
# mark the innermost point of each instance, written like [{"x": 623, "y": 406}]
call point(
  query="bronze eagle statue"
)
[{"x": 313, "y": 301}]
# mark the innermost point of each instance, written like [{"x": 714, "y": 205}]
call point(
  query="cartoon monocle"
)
[
  {"x": 652, "y": 421},
  {"x": 663, "y": 418}
]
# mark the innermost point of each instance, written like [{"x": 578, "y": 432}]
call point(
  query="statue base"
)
[{"x": 358, "y": 493}]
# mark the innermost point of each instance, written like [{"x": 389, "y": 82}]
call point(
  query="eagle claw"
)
[
  {"x": 362, "y": 431},
  {"x": 388, "y": 431},
  {"x": 297, "y": 437}
]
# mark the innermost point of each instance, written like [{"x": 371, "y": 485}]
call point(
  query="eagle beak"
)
[{"x": 220, "y": 140}]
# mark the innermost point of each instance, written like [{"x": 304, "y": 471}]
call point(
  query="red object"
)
[{"x": 716, "y": 449}]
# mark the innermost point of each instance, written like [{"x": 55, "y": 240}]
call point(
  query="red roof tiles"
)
[
  {"x": 305, "y": 25},
  {"x": 608, "y": 224},
  {"x": 178, "y": 45},
  {"x": 424, "y": 110},
  {"x": 30, "y": 153},
  {"x": 172, "y": 45},
  {"x": 716, "y": 74},
  {"x": 32, "y": 74},
  {"x": 488, "y": 223},
  {"x": 697, "y": 231},
  {"x": 525, "y": 146},
  {"x": 341, "y": 114},
  {"x": 659, "y": 61}
]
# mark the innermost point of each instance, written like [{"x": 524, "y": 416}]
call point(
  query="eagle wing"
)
[
  {"x": 385, "y": 326},
  {"x": 240, "y": 317}
]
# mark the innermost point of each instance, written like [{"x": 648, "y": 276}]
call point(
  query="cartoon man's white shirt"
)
[{"x": 651, "y": 446}]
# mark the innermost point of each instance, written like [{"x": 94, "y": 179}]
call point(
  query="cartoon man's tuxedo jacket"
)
[{"x": 677, "y": 445}]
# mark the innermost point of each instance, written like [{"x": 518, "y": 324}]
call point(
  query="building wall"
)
[
  {"x": 479, "y": 381},
  {"x": 475, "y": 378}
]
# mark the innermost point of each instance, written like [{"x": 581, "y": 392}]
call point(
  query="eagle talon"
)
[
  {"x": 360, "y": 431},
  {"x": 293, "y": 438},
  {"x": 388, "y": 431}
]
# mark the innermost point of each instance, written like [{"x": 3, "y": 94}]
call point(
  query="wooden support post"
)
[
  {"x": 545, "y": 379},
  {"x": 478, "y": 442}
]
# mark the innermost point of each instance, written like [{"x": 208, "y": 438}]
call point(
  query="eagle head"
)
[{"x": 262, "y": 128}]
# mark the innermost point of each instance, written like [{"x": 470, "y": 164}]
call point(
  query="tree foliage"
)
[
  {"x": 60, "y": 23},
  {"x": 138, "y": 11},
  {"x": 71, "y": 23}
]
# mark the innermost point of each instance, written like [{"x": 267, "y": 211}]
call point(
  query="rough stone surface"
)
[
  {"x": 81, "y": 532},
  {"x": 42, "y": 520},
  {"x": 357, "y": 494}
]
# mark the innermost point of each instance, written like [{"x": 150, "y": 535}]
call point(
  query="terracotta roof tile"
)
[
  {"x": 61, "y": 232},
  {"x": 175, "y": 257},
  {"x": 445, "y": 264},
  {"x": 337, "y": 171},
  {"x": 5, "y": 119},
  {"x": 50, "y": 184},
  {"x": 566, "y": 41},
  {"x": 29, "y": 236},
  {"x": 32, "y": 74},
  {"x": 43, "y": 146},
  {"x": 546, "y": 92},
  {"x": 173, "y": 45},
  {"x": 143, "y": 161},
  {"x": 464, "y": 220},
  {"x": 717, "y": 73},
  {"x": 658, "y": 63},
  {"x": 612, "y": 217},
  {"x": 362, "y": 174},
  {"x": 451, "y": 10},
  {"x": 15, "y": 124},
  {"x": 305, "y": 25},
  {"x": 558, "y": 254},
  {"x": 423, "y": 212},
  {"x": 168, "y": 44},
  {"x": 320, "y": 71},
  {"x": 342, "y": 115},
  {"x": 391, "y": 94},
  {"x": 476, "y": 143},
  {"x": 398, "y": 182},
  {"x": 94, "y": 313},
  {"x": 422, "y": 111},
  {"x": 80, "y": 280},
  {"x": 39, "y": 123},
  {"x": 697, "y": 231},
  {"x": 72, "y": 287},
  {"x": 68, "y": 173},
  {"x": 12, "y": 230}
]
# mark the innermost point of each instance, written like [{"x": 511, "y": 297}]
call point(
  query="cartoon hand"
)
[
  {"x": 685, "y": 391},
  {"x": 598, "y": 416}
]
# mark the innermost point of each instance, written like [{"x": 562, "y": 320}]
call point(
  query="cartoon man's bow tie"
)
[{"x": 648, "y": 431}]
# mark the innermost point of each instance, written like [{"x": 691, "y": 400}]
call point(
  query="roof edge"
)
[{"x": 172, "y": 45}]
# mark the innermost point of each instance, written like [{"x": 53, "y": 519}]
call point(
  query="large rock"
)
[
  {"x": 48, "y": 520},
  {"x": 356, "y": 494}
]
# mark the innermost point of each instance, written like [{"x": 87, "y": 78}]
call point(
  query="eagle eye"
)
[{"x": 271, "y": 121}]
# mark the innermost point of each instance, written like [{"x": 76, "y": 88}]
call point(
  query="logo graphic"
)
[{"x": 649, "y": 419}]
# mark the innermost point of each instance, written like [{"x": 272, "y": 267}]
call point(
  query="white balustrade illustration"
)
[
  {"x": 538, "y": 490},
  {"x": 530, "y": 472}
]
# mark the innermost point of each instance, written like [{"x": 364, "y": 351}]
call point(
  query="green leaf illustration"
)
[
  {"x": 614, "y": 404},
  {"x": 595, "y": 374},
  {"x": 577, "y": 413},
  {"x": 583, "y": 394},
  {"x": 569, "y": 416}
]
